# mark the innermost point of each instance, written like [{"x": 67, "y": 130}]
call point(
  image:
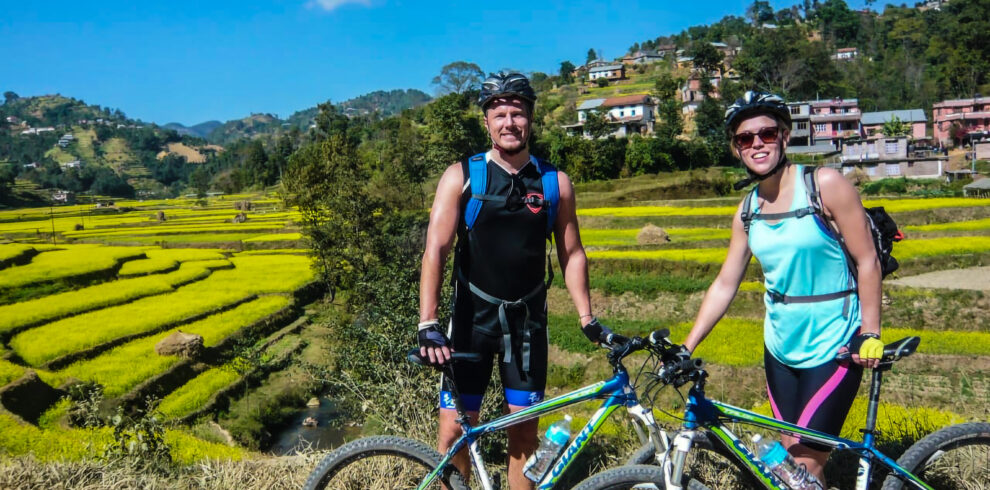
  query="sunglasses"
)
[{"x": 745, "y": 140}]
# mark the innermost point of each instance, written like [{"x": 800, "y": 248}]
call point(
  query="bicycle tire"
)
[
  {"x": 380, "y": 462},
  {"x": 640, "y": 476},
  {"x": 710, "y": 466},
  {"x": 957, "y": 456}
]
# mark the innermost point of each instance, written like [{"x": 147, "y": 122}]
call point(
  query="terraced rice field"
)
[{"x": 94, "y": 311}]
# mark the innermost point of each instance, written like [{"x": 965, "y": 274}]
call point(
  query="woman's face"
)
[{"x": 759, "y": 143}]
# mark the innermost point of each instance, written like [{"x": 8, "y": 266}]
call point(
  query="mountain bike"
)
[
  {"x": 956, "y": 456},
  {"x": 392, "y": 462}
]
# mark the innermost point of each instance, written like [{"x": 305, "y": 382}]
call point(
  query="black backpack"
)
[{"x": 883, "y": 229}]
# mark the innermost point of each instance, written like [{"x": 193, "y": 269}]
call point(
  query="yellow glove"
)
[{"x": 867, "y": 345}]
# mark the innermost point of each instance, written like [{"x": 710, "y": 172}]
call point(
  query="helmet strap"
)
[{"x": 755, "y": 177}]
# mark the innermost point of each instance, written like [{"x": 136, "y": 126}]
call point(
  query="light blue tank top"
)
[{"x": 801, "y": 257}]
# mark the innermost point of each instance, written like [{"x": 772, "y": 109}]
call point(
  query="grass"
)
[
  {"x": 592, "y": 237},
  {"x": 51, "y": 341},
  {"x": 124, "y": 367},
  {"x": 9, "y": 371},
  {"x": 908, "y": 249},
  {"x": 705, "y": 255},
  {"x": 143, "y": 267},
  {"x": 61, "y": 305},
  {"x": 969, "y": 225},
  {"x": 13, "y": 250},
  {"x": 275, "y": 237},
  {"x": 197, "y": 392},
  {"x": 65, "y": 264}
]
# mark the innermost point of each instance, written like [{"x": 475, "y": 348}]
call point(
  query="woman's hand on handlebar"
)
[{"x": 598, "y": 333}]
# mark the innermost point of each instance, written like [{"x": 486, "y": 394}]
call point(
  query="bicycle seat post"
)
[
  {"x": 462, "y": 418},
  {"x": 871, "y": 415}
]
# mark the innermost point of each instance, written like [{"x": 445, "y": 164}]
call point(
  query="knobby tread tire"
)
[
  {"x": 356, "y": 450},
  {"x": 624, "y": 477},
  {"x": 972, "y": 433}
]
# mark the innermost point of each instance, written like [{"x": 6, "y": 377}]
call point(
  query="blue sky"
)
[{"x": 188, "y": 62}]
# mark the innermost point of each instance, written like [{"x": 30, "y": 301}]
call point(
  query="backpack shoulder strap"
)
[
  {"x": 551, "y": 191},
  {"x": 478, "y": 180},
  {"x": 747, "y": 210},
  {"x": 810, "y": 174}
]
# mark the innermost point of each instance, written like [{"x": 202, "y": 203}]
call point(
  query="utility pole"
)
[{"x": 51, "y": 214}]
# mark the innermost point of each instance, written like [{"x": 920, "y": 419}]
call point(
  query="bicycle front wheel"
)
[
  {"x": 954, "y": 457},
  {"x": 638, "y": 476},
  {"x": 381, "y": 463}
]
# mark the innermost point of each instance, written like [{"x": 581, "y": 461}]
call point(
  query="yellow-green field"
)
[{"x": 76, "y": 305}]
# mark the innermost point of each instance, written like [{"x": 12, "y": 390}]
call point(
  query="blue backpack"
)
[{"x": 478, "y": 178}]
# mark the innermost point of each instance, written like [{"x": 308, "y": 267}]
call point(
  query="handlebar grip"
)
[
  {"x": 414, "y": 357},
  {"x": 613, "y": 338},
  {"x": 660, "y": 337}
]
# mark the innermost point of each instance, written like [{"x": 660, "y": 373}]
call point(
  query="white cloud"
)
[{"x": 330, "y": 5}]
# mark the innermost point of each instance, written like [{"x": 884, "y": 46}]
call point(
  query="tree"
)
[
  {"x": 760, "y": 12},
  {"x": 894, "y": 127},
  {"x": 566, "y": 68},
  {"x": 596, "y": 124},
  {"x": 199, "y": 180},
  {"x": 707, "y": 57},
  {"x": 458, "y": 77},
  {"x": 9, "y": 96},
  {"x": 592, "y": 56},
  {"x": 669, "y": 106},
  {"x": 452, "y": 131}
]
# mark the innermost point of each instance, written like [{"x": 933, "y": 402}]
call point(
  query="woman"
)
[{"x": 815, "y": 305}]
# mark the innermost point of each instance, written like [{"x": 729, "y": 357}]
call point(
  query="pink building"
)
[
  {"x": 971, "y": 115},
  {"x": 835, "y": 119}
]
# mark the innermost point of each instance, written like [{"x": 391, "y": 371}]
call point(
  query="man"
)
[{"x": 501, "y": 255}]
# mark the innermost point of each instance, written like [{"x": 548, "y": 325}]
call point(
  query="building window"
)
[
  {"x": 819, "y": 128},
  {"x": 890, "y": 147},
  {"x": 632, "y": 112},
  {"x": 893, "y": 169},
  {"x": 802, "y": 126},
  {"x": 622, "y": 113},
  {"x": 871, "y": 170},
  {"x": 795, "y": 110}
]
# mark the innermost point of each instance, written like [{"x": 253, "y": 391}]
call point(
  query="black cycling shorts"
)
[
  {"x": 815, "y": 398},
  {"x": 521, "y": 389}
]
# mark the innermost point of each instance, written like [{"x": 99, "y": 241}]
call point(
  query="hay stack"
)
[{"x": 652, "y": 235}]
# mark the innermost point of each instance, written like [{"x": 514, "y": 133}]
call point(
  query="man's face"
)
[{"x": 508, "y": 123}]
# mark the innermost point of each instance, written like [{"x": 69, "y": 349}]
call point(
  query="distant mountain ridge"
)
[
  {"x": 201, "y": 130},
  {"x": 383, "y": 102}
]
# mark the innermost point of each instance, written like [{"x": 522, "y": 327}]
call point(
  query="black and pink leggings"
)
[{"x": 816, "y": 398}]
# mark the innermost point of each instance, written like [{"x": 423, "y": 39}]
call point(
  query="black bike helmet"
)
[
  {"x": 506, "y": 85},
  {"x": 753, "y": 104},
  {"x": 756, "y": 103}
]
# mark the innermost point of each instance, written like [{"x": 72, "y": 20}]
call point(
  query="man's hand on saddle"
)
[{"x": 434, "y": 345}]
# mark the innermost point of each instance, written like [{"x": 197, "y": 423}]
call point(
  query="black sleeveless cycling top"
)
[{"x": 504, "y": 254}]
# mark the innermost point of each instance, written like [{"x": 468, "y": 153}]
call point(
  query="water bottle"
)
[
  {"x": 794, "y": 475},
  {"x": 551, "y": 445}
]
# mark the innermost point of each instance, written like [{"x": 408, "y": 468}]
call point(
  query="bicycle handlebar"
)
[{"x": 414, "y": 357}]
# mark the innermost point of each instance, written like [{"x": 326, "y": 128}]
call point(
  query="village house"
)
[
  {"x": 881, "y": 158},
  {"x": 969, "y": 115},
  {"x": 37, "y": 130},
  {"x": 12, "y": 119},
  {"x": 630, "y": 114},
  {"x": 843, "y": 54},
  {"x": 66, "y": 140},
  {"x": 31, "y": 165},
  {"x": 65, "y": 197},
  {"x": 691, "y": 93},
  {"x": 834, "y": 120},
  {"x": 915, "y": 119},
  {"x": 608, "y": 72},
  {"x": 647, "y": 56},
  {"x": 800, "y": 125},
  {"x": 72, "y": 164}
]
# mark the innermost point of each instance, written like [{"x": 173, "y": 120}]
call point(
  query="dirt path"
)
[{"x": 977, "y": 278}]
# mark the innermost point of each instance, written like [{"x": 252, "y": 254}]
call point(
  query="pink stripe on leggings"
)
[
  {"x": 773, "y": 404},
  {"x": 822, "y": 394}
]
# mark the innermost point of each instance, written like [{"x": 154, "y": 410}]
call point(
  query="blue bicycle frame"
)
[
  {"x": 617, "y": 393},
  {"x": 712, "y": 415}
]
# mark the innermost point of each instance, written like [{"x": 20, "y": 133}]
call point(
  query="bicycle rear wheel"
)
[
  {"x": 380, "y": 463},
  {"x": 954, "y": 457}
]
